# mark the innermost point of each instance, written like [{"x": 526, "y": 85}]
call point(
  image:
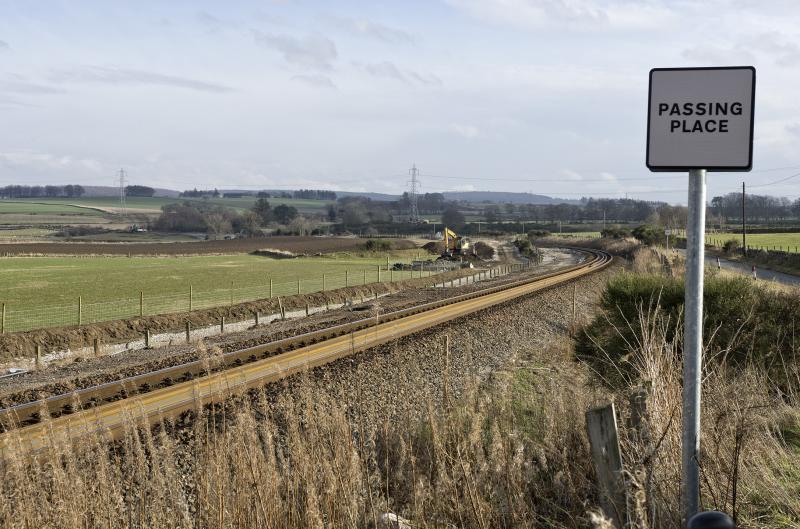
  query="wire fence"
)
[
  {"x": 80, "y": 313},
  {"x": 719, "y": 243}
]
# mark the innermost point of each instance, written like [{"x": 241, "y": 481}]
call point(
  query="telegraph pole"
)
[
  {"x": 412, "y": 195},
  {"x": 123, "y": 208},
  {"x": 744, "y": 226}
]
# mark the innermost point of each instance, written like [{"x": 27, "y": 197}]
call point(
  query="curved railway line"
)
[{"x": 151, "y": 397}]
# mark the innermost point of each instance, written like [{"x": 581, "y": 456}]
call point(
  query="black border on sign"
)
[{"x": 683, "y": 168}]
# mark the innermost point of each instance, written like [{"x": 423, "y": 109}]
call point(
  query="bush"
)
[
  {"x": 749, "y": 324},
  {"x": 648, "y": 234},
  {"x": 377, "y": 245},
  {"x": 731, "y": 246},
  {"x": 615, "y": 233}
]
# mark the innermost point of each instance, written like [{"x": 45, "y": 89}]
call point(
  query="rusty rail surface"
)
[{"x": 150, "y": 397}]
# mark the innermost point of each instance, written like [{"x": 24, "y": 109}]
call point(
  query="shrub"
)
[
  {"x": 731, "y": 246},
  {"x": 377, "y": 245}
]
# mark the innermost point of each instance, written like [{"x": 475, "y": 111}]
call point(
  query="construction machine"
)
[{"x": 454, "y": 244}]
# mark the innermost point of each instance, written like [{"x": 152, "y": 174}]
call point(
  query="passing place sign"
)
[{"x": 701, "y": 118}]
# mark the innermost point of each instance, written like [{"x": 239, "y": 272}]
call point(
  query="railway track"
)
[{"x": 151, "y": 397}]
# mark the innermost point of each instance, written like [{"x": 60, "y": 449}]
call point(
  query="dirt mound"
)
[
  {"x": 295, "y": 245},
  {"x": 484, "y": 251},
  {"x": 435, "y": 247}
]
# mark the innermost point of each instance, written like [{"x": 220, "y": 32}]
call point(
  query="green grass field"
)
[
  {"x": 43, "y": 291},
  {"x": 770, "y": 241}
]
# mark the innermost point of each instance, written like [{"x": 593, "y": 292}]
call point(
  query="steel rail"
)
[{"x": 232, "y": 374}]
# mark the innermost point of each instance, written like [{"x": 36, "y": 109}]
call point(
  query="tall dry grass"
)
[{"x": 509, "y": 452}]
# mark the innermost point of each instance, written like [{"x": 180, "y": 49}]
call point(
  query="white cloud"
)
[
  {"x": 131, "y": 77},
  {"x": 384, "y": 69},
  {"x": 312, "y": 51},
  {"x": 466, "y": 131},
  {"x": 3, "y": 45},
  {"x": 39, "y": 161},
  {"x": 573, "y": 14},
  {"x": 375, "y": 30},
  {"x": 318, "y": 80}
]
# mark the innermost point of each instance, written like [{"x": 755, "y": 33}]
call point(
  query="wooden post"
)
[
  {"x": 231, "y": 292},
  {"x": 379, "y": 274},
  {"x": 190, "y": 297},
  {"x": 280, "y": 306},
  {"x": 188, "y": 331},
  {"x": 323, "y": 282},
  {"x": 347, "y": 278},
  {"x": 147, "y": 338},
  {"x": 270, "y": 288},
  {"x": 3, "y": 320},
  {"x": 307, "y": 309},
  {"x": 141, "y": 303},
  {"x": 298, "y": 286},
  {"x": 222, "y": 324},
  {"x": 391, "y": 275},
  {"x": 96, "y": 347},
  {"x": 256, "y": 318},
  {"x": 80, "y": 310},
  {"x": 365, "y": 276},
  {"x": 387, "y": 261},
  {"x": 601, "y": 424},
  {"x": 38, "y": 356}
]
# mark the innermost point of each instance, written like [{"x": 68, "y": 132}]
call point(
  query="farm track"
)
[
  {"x": 171, "y": 391},
  {"x": 297, "y": 245}
]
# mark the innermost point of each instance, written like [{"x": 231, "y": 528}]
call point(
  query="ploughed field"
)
[{"x": 296, "y": 245}]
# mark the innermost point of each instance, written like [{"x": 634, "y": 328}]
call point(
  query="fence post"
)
[
  {"x": 96, "y": 347},
  {"x": 365, "y": 276},
  {"x": 298, "y": 286},
  {"x": 80, "y": 310},
  {"x": 147, "y": 338},
  {"x": 347, "y": 278},
  {"x": 231, "y": 292},
  {"x": 270, "y": 288},
  {"x": 3, "y": 321},
  {"x": 190, "y": 297},
  {"x": 391, "y": 275},
  {"x": 379, "y": 274},
  {"x": 256, "y": 317},
  {"x": 141, "y": 303},
  {"x": 387, "y": 261},
  {"x": 601, "y": 424},
  {"x": 323, "y": 282},
  {"x": 222, "y": 324},
  {"x": 38, "y": 356},
  {"x": 188, "y": 330}
]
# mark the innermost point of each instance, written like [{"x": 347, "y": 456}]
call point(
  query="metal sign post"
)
[
  {"x": 698, "y": 119},
  {"x": 693, "y": 340}
]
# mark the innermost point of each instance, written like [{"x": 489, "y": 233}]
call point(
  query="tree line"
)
[
  {"x": 758, "y": 208},
  {"x": 18, "y": 191}
]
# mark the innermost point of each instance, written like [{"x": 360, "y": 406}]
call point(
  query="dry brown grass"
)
[{"x": 511, "y": 452}]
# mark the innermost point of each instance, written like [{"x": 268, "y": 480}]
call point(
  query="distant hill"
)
[
  {"x": 505, "y": 197},
  {"x": 499, "y": 197},
  {"x": 108, "y": 191}
]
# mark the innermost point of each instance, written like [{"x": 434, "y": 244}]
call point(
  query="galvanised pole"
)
[{"x": 693, "y": 341}]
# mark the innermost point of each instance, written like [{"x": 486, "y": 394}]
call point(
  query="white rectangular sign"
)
[{"x": 701, "y": 118}]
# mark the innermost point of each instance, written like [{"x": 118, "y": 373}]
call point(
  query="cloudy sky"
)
[{"x": 547, "y": 96}]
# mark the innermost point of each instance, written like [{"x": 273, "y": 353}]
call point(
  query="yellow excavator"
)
[{"x": 454, "y": 244}]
